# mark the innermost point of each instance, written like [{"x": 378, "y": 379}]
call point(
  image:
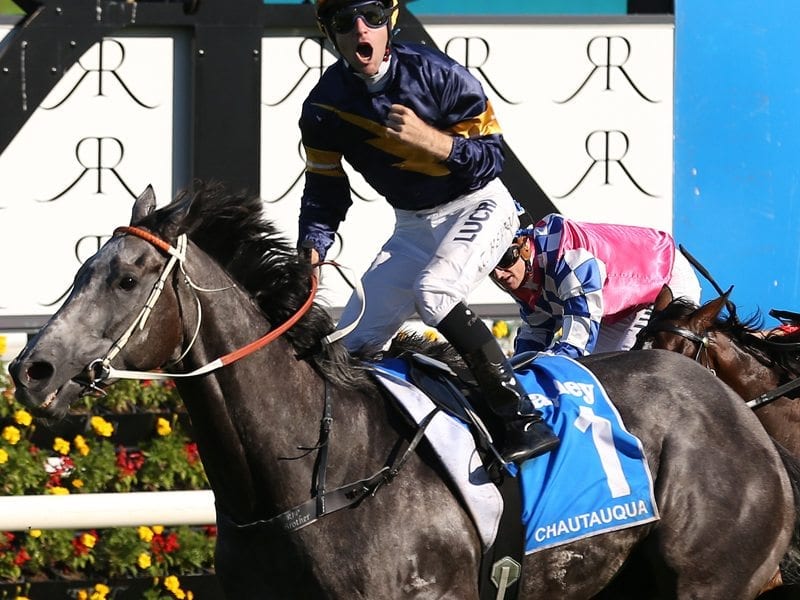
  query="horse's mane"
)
[
  {"x": 231, "y": 228},
  {"x": 773, "y": 350}
]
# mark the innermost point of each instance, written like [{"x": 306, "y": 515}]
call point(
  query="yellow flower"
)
[
  {"x": 145, "y": 533},
  {"x": 100, "y": 592},
  {"x": 88, "y": 540},
  {"x": 144, "y": 561},
  {"x": 430, "y": 335},
  {"x": 179, "y": 594},
  {"x": 81, "y": 445},
  {"x": 83, "y": 595},
  {"x": 500, "y": 329},
  {"x": 101, "y": 427},
  {"x": 77, "y": 483},
  {"x": 57, "y": 490},
  {"x": 163, "y": 427},
  {"x": 23, "y": 417},
  {"x": 158, "y": 529},
  {"x": 172, "y": 583},
  {"x": 11, "y": 434},
  {"x": 61, "y": 446},
  {"x": 3, "y": 457},
  {"x": 189, "y": 595},
  {"x": 35, "y": 533}
]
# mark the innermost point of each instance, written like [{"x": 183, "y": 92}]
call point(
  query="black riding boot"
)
[{"x": 526, "y": 435}]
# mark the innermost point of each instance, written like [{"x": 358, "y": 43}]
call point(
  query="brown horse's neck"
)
[{"x": 740, "y": 369}]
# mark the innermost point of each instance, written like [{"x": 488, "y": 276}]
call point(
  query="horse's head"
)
[
  {"x": 109, "y": 291},
  {"x": 679, "y": 325}
]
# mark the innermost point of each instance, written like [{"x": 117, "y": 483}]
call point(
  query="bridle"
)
[
  {"x": 702, "y": 340},
  {"x": 100, "y": 369}
]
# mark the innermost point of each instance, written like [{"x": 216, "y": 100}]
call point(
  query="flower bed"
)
[{"x": 137, "y": 438}]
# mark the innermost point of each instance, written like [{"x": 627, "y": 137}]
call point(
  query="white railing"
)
[{"x": 88, "y": 511}]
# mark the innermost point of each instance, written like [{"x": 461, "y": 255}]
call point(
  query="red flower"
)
[
  {"x": 211, "y": 530},
  {"x": 62, "y": 468},
  {"x": 192, "y": 455},
  {"x": 171, "y": 543},
  {"x": 78, "y": 547},
  {"x": 164, "y": 545},
  {"x": 21, "y": 557},
  {"x": 9, "y": 539},
  {"x": 169, "y": 384},
  {"x": 129, "y": 463}
]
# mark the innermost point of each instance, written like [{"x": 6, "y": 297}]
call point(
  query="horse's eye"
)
[{"x": 127, "y": 283}]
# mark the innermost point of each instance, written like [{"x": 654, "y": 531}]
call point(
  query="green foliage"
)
[
  {"x": 22, "y": 472},
  {"x": 163, "y": 457},
  {"x": 7, "y": 7}
]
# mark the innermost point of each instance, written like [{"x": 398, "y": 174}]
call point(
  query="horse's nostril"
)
[{"x": 39, "y": 371}]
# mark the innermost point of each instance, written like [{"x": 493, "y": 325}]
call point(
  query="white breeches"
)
[{"x": 432, "y": 261}]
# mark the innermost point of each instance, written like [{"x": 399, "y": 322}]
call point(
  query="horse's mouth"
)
[
  {"x": 49, "y": 400},
  {"x": 55, "y": 404}
]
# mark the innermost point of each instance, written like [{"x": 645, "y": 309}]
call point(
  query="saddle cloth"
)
[{"x": 596, "y": 481}]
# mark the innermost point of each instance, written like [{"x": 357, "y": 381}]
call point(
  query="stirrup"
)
[{"x": 534, "y": 439}]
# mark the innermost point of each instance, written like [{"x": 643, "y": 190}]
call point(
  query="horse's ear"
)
[
  {"x": 663, "y": 299},
  {"x": 709, "y": 312},
  {"x": 173, "y": 224},
  {"x": 144, "y": 205}
]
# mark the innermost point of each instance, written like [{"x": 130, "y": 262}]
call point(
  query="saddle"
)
[{"x": 501, "y": 565}]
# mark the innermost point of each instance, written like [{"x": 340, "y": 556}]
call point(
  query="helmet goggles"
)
[
  {"x": 509, "y": 258},
  {"x": 374, "y": 15}
]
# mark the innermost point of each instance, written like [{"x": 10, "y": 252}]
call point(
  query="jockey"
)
[
  {"x": 596, "y": 283},
  {"x": 420, "y": 130}
]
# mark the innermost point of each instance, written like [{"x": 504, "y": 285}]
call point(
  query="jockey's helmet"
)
[{"x": 339, "y": 16}]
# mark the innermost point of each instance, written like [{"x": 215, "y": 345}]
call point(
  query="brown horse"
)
[{"x": 753, "y": 362}]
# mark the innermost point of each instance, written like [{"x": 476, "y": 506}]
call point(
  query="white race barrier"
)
[{"x": 89, "y": 511}]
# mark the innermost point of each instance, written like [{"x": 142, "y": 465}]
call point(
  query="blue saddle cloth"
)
[{"x": 596, "y": 481}]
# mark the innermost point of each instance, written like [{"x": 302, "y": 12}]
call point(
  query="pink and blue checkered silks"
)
[{"x": 586, "y": 275}]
